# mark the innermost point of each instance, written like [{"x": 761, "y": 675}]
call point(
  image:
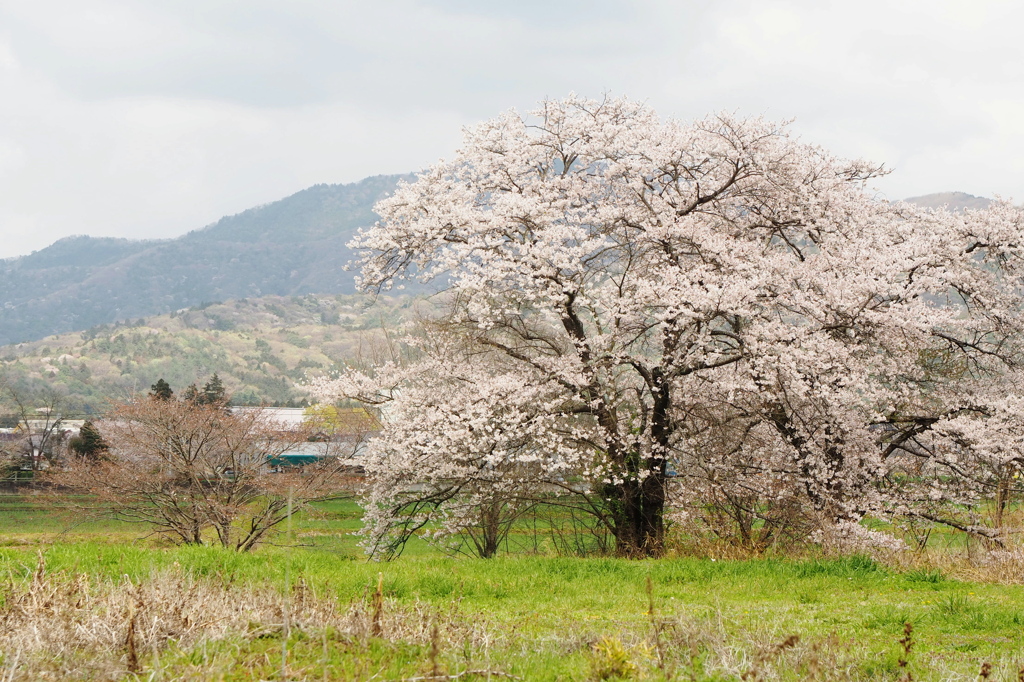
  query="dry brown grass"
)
[
  {"x": 62, "y": 626},
  {"x": 683, "y": 648},
  {"x": 72, "y": 627},
  {"x": 998, "y": 566}
]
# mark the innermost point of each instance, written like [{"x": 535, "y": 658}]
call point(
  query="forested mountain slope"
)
[
  {"x": 261, "y": 348},
  {"x": 294, "y": 246}
]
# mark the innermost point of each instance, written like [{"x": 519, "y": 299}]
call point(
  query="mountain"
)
[
  {"x": 262, "y": 349},
  {"x": 954, "y": 201},
  {"x": 291, "y": 247}
]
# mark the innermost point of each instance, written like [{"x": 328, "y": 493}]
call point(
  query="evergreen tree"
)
[
  {"x": 191, "y": 395},
  {"x": 213, "y": 392},
  {"x": 89, "y": 442},
  {"x": 161, "y": 390}
]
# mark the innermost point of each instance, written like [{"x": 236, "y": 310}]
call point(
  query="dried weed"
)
[{"x": 60, "y": 626}]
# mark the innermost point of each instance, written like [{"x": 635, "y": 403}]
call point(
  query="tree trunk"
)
[
  {"x": 638, "y": 516},
  {"x": 485, "y": 534},
  {"x": 638, "y": 510},
  {"x": 1004, "y": 479}
]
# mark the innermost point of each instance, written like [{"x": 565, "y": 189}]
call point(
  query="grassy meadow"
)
[{"x": 97, "y": 600}]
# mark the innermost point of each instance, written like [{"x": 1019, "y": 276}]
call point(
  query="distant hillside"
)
[
  {"x": 294, "y": 246},
  {"x": 954, "y": 201},
  {"x": 261, "y": 348}
]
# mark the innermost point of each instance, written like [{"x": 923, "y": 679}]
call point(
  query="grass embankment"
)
[{"x": 534, "y": 617}]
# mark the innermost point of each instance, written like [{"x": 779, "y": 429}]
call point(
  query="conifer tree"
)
[
  {"x": 161, "y": 390},
  {"x": 89, "y": 442},
  {"x": 213, "y": 392},
  {"x": 191, "y": 395}
]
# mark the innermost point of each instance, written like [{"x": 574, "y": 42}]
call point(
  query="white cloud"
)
[{"x": 149, "y": 118}]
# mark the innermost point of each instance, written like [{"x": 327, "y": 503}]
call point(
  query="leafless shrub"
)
[
  {"x": 198, "y": 472},
  {"x": 711, "y": 648}
]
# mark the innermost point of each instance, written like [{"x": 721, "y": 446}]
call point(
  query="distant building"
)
[
  {"x": 333, "y": 432},
  {"x": 288, "y": 417}
]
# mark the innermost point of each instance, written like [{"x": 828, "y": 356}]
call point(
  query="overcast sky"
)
[{"x": 150, "y": 118}]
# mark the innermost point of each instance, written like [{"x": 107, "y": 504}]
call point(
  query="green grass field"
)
[{"x": 535, "y": 617}]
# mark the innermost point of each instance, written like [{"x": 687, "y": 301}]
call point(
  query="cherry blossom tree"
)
[
  {"x": 461, "y": 456},
  {"x": 615, "y": 277},
  {"x": 961, "y": 466}
]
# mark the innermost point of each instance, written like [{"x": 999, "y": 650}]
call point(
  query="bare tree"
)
[
  {"x": 40, "y": 425},
  {"x": 200, "y": 474}
]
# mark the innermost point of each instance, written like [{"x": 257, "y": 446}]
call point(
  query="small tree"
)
[
  {"x": 161, "y": 390},
  {"x": 40, "y": 422},
  {"x": 191, "y": 394},
  {"x": 330, "y": 422},
  {"x": 89, "y": 443},
  {"x": 214, "y": 392},
  {"x": 192, "y": 470}
]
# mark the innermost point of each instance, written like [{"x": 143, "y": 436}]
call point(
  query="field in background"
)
[{"x": 91, "y": 601}]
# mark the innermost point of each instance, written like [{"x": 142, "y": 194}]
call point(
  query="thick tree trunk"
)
[
  {"x": 638, "y": 516},
  {"x": 639, "y": 508}
]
